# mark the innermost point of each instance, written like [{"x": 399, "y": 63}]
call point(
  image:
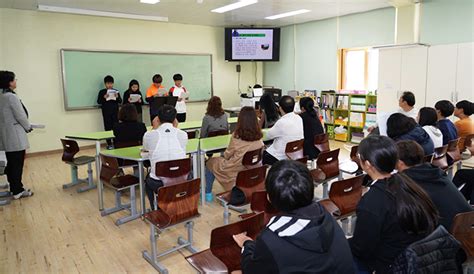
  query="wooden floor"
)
[{"x": 61, "y": 231}]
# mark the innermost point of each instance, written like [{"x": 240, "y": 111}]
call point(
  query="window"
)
[{"x": 359, "y": 69}]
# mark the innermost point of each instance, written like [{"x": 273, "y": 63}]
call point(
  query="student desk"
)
[{"x": 133, "y": 154}]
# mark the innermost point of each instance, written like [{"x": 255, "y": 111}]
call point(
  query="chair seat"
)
[
  {"x": 206, "y": 262},
  {"x": 318, "y": 175},
  {"x": 82, "y": 160},
  {"x": 161, "y": 220},
  {"x": 123, "y": 181},
  {"x": 247, "y": 215},
  {"x": 225, "y": 197}
]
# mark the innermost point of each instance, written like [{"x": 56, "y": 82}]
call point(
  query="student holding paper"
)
[
  {"x": 155, "y": 90},
  {"x": 133, "y": 96},
  {"x": 109, "y": 100},
  {"x": 181, "y": 92}
]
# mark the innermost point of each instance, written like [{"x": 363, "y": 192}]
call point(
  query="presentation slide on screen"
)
[{"x": 252, "y": 44}]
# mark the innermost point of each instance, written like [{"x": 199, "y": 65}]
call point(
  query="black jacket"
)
[
  {"x": 129, "y": 131},
  {"x": 307, "y": 240},
  {"x": 108, "y": 107},
  {"x": 446, "y": 197},
  {"x": 448, "y": 129},
  {"x": 419, "y": 135},
  {"x": 311, "y": 127},
  {"x": 378, "y": 238},
  {"x": 137, "y": 105}
]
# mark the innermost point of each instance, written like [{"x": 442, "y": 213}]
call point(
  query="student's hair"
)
[
  {"x": 132, "y": 83},
  {"x": 445, "y": 107},
  {"x": 108, "y": 79},
  {"x": 177, "y": 77},
  {"x": 410, "y": 152},
  {"x": 157, "y": 79},
  {"x": 308, "y": 104},
  {"x": 468, "y": 107},
  {"x": 167, "y": 114},
  {"x": 5, "y": 78},
  {"x": 428, "y": 117},
  {"x": 269, "y": 107},
  {"x": 415, "y": 210},
  {"x": 247, "y": 128},
  {"x": 408, "y": 97},
  {"x": 128, "y": 113},
  {"x": 399, "y": 124},
  {"x": 214, "y": 107},
  {"x": 289, "y": 185},
  {"x": 287, "y": 103}
]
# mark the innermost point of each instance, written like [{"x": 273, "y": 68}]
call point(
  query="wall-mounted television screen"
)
[{"x": 244, "y": 44}]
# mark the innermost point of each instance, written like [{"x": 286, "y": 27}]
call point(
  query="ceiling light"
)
[
  {"x": 237, "y": 5},
  {"x": 101, "y": 13},
  {"x": 149, "y": 1},
  {"x": 286, "y": 14}
]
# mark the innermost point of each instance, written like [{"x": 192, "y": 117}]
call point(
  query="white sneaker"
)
[{"x": 25, "y": 193}]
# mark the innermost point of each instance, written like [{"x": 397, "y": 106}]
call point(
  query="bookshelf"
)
[{"x": 353, "y": 112}]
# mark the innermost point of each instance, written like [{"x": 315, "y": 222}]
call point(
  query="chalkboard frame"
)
[{"x": 63, "y": 69}]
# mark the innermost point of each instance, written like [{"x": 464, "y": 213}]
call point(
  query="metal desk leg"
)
[
  {"x": 141, "y": 178},
  {"x": 203, "y": 176},
  {"x": 195, "y": 159},
  {"x": 97, "y": 174}
]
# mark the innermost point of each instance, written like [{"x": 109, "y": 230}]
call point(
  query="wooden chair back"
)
[
  {"x": 439, "y": 158},
  {"x": 294, "y": 150},
  {"x": 321, "y": 142},
  {"x": 428, "y": 158},
  {"x": 303, "y": 160},
  {"x": 122, "y": 144},
  {"x": 463, "y": 230},
  {"x": 180, "y": 201},
  {"x": 346, "y": 194},
  {"x": 191, "y": 134},
  {"x": 328, "y": 162},
  {"x": 70, "y": 148},
  {"x": 251, "y": 180},
  {"x": 469, "y": 143},
  {"x": 174, "y": 171},
  {"x": 109, "y": 168},
  {"x": 223, "y": 245},
  {"x": 252, "y": 158},
  {"x": 259, "y": 203},
  {"x": 218, "y": 133},
  {"x": 354, "y": 157},
  {"x": 453, "y": 150}
]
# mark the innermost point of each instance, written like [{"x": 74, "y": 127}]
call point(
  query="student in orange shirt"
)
[
  {"x": 465, "y": 125},
  {"x": 156, "y": 89}
]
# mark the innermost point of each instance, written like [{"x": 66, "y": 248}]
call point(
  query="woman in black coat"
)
[{"x": 311, "y": 126}]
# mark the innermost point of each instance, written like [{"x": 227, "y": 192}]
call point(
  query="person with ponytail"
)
[
  {"x": 394, "y": 213},
  {"x": 465, "y": 125},
  {"x": 311, "y": 127}
]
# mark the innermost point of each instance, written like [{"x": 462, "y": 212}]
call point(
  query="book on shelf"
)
[
  {"x": 327, "y": 101},
  {"x": 357, "y": 107},
  {"x": 328, "y": 116},
  {"x": 370, "y": 119},
  {"x": 343, "y": 102},
  {"x": 357, "y": 119}
]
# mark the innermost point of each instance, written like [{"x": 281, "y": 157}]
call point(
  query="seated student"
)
[
  {"x": 311, "y": 127},
  {"x": 401, "y": 127},
  {"x": 444, "y": 109},
  {"x": 287, "y": 129},
  {"x": 303, "y": 238},
  {"x": 464, "y": 180},
  {"x": 155, "y": 90},
  {"x": 394, "y": 213},
  {"x": 181, "y": 92},
  {"x": 269, "y": 111},
  {"x": 246, "y": 137},
  {"x": 134, "y": 88},
  {"x": 465, "y": 125},
  {"x": 445, "y": 196},
  {"x": 109, "y": 101},
  {"x": 427, "y": 119},
  {"x": 128, "y": 129},
  {"x": 215, "y": 118},
  {"x": 164, "y": 143}
]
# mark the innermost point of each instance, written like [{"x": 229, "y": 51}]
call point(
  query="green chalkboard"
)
[{"x": 83, "y": 72}]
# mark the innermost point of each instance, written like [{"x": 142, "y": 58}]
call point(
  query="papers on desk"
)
[
  {"x": 134, "y": 98},
  {"x": 112, "y": 94}
]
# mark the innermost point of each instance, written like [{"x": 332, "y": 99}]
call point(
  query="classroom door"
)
[{"x": 389, "y": 79}]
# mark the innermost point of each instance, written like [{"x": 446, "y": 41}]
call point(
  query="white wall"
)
[{"x": 30, "y": 44}]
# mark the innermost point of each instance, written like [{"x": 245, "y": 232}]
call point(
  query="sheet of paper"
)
[
  {"x": 134, "y": 98},
  {"x": 382, "y": 118},
  {"x": 111, "y": 94},
  {"x": 161, "y": 92}
]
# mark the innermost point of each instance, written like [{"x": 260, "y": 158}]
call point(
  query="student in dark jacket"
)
[
  {"x": 400, "y": 127},
  {"x": 129, "y": 129},
  {"x": 109, "y": 100},
  {"x": 311, "y": 127},
  {"x": 304, "y": 238},
  {"x": 444, "y": 109},
  {"x": 464, "y": 179},
  {"x": 394, "y": 213},
  {"x": 134, "y": 88},
  {"x": 446, "y": 197}
]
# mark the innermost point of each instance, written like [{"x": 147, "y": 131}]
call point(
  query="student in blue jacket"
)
[{"x": 444, "y": 109}]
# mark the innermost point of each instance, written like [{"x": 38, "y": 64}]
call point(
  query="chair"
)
[
  {"x": 224, "y": 254},
  {"x": 439, "y": 158},
  {"x": 4, "y": 194},
  {"x": 108, "y": 175},
  {"x": 178, "y": 204},
  {"x": 469, "y": 144},
  {"x": 343, "y": 199},
  {"x": 463, "y": 230},
  {"x": 259, "y": 203},
  {"x": 172, "y": 172},
  {"x": 327, "y": 169},
  {"x": 303, "y": 160},
  {"x": 123, "y": 144},
  {"x": 321, "y": 142},
  {"x": 294, "y": 149},
  {"x": 252, "y": 158},
  {"x": 428, "y": 158},
  {"x": 249, "y": 181},
  {"x": 71, "y": 148},
  {"x": 354, "y": 158},
  {"x": 218, "y": 133},
  {"x": 454, "y": 156},
  {"x": 191, "y": 134}
]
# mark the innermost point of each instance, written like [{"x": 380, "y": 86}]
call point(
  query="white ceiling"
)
[{"x": 191, "y": 12}]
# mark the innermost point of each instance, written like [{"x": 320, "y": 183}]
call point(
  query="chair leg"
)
[
  {"x": 74, "y": 177},
  {"x": 226, "y": 214},
  {"x": 339, "y": 177},
  {"x": 134, "y": 214},
  {"x": 153, "y": 257},
  {"x": 189, "y": 242},
  {"x": 345, "y": 225},
  {"x": 118, "y": 205},
  {"x": 325, "y": 190},
  {"x": 353, "y": 224},
  {"x": 90, "y": 180},
  {"x": 450, "y": 173}
]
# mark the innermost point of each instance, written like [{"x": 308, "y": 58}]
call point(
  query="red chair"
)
[
  {"x": 260, "y": 203},
  {"x": 294, "y": 150},
  {"x": 252, "y": 158},
  {"x": 463, "y": 230},
  {"x": 191, "y": 134},
  {"x": 354, "y": 158},
  {"x": 178, "y": 204},
  {"x": 439, "y": 157},
  {"x": 454, "y": 156},
  {"x": 327, "y": 169},
  {"x": 218, "y": 133},
  {"x": 321, "y": 142},
  {"x": 172, "y": 172},
  {"x": 70, "y": 149},
  {"x": 469, "y": 144}
]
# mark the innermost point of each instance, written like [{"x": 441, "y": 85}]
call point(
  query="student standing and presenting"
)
[
  {"x": 179, "y": 91},
  {"x": 155, "y": 90},
  {"x": 134, "y": 91},
  {"x": 109, "y": 100},
  {"x": 14, "y": 126}
]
